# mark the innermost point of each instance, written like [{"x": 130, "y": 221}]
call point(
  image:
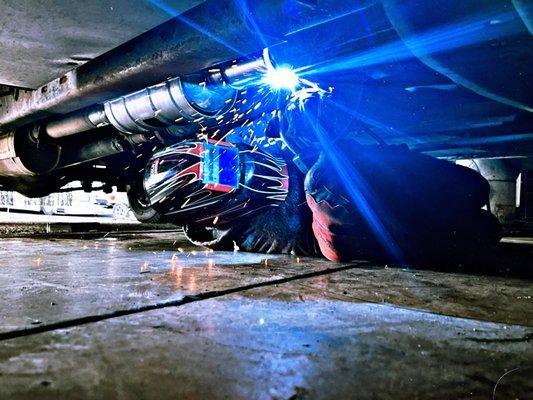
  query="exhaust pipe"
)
[
  {"x": 179, "y": 106},
  {"x": 177, "y": 102},
  {"x": 22, "y": 154}
]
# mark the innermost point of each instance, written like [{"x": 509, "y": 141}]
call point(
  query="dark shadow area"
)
[{"x": 508, "y": 260}]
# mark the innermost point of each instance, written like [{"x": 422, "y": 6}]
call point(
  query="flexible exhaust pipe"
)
[{"x": 176, "y": 102}]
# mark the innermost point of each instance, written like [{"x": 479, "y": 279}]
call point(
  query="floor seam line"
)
[{"x": 74, "y": 322}]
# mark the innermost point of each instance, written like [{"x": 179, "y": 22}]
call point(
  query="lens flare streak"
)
[
  {"x": 359, "y": 192},
  {"x": 434, "y": 41},
  {"x": 178, "y": 15}
]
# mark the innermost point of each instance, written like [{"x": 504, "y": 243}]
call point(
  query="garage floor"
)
[{"x": 148, "y": 316}]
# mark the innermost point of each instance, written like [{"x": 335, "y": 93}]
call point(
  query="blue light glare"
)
[
  {"x": 359, "y": 191},
  {"x": 177, "y": 14},
  {"x": 437, "y": 40},
  {"x": 281, "y": 78}
]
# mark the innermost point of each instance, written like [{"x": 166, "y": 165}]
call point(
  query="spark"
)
[{"x": 145, "y": 267}]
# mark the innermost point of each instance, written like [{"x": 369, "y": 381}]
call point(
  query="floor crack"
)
[{"x": 88, "y": 319}]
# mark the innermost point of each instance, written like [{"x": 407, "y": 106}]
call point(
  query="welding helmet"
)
[{"x": 212, "y": 183}]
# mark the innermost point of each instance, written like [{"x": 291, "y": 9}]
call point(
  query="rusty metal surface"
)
[{"x": 41, "y": 40}]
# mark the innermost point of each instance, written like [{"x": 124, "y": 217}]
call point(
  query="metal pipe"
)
[
  {"x": 98, "y": 149},
  {"x": 239, "y": 75},
  {"x": 78, "y": 121},
  {"x": 21, "y": 155},
  {"x": 176, "y": 101}
]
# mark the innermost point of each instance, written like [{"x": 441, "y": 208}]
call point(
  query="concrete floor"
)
[{"x": 149, "y": 316}]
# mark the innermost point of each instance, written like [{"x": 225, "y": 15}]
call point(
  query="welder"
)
[{"x": 315, "y": 190}]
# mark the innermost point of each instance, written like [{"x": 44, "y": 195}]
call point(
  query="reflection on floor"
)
[{"x": 149, "y": 316}]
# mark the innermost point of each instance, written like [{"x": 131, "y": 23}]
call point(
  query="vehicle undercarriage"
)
[{"x": 451, "y": 80}]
